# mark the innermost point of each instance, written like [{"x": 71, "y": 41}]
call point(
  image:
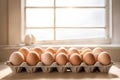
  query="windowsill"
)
[
  {"x": 54, "y": 45},
  {"x": 105, "y": 43}
]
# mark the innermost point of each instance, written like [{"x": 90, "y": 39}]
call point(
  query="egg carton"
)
[{"x": 83, "y": 67}]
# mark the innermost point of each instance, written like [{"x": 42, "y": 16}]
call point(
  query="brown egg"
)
[
  {"x": 104, "y": 58},
  {"x": 89, "y": 58},
  {"x": 25, "y": 51},
  {"x": 50, "y": 49},
  {"x": 96, "y": 51},
  {"x": 32, "y": 58},
  {"x": 72, "y": 50},
  {"x": 62, "y": 50},
  {"x": 96, "y": 56},
  {"x": 75, "y": 59},
  {"x": 47, "y": 58},
  {"x": 33, "y": 39},
  {"x": 85, "y": 51},
  {"x": 39, "y": 51},
  {"x": 61, "y": 58},
  {"x": 81, "y": 57},
  {"x": 80, "y": 51},
  {"x": 16, "y": 58}
]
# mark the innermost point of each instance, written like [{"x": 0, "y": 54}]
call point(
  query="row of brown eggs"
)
[{"x": 61, "y": 56}]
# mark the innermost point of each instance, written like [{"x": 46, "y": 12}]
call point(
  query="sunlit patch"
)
[
  {"x": 115, "y": 70},
  {"x": 5, "y": 72}
]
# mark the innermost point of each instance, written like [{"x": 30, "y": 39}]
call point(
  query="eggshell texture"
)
[
  {"x": 33, "y": 39},
  {"x": 72, "y": 50},
  {"x": 61, "y": 58},
  {"x": 62, "y": 50},
  {"x": 75, "y": 59},
  {"x": 50, "y": 49},
  {"x": 39, "y": 51},
  {"x": 89, "y": 58},
  {"x": 28, "y": 39},
  {"x": 96, "y": 51},
  {"x": 32, "y": 58},
  {"x": 47, "y": 58},
  {"x": 16, "y": 58},
  {"x": 96, "y": 56},
  {"x": 85, "y": 51},
  {"x": 25, "y": 51},
  {"x": 104, "y": 58},
  {"x": 80, "y": 51}
]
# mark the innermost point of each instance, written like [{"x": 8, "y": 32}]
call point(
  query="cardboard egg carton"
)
[{"x": 83, "y": 67}]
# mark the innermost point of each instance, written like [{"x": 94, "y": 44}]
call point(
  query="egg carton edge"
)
[{"x": 87, "y": 68}]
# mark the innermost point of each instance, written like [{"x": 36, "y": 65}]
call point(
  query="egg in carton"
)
[
  {"x": 61, "y": 68},
  {"x": 14, "y": 68},
  {"x": 76, "y": 69},
  {"x": 31, "y": 69},
  {"x": 24, "y": 65},
  {"x": 73, "y": 68},
  {"x": 103, "y": 68},
  {"x": 96, "y": 67},
  {"x": 90, "y": 68},
  {"x": 49, "y": 68}
]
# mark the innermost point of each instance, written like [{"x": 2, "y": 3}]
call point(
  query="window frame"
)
[{"x": 108, "y": 27}]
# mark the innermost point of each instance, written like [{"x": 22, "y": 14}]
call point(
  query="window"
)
[{"x": 67, "y": 19}]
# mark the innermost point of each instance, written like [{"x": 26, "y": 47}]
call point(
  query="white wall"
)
[
  {"x": 14, "y": 21},
  {"x": 10, "y": 14},
  {"x": 3, "y": 22},
  {"x": 116, "y": 21}
]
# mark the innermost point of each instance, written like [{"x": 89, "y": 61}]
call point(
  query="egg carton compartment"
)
[
  {"x": 15, "y": 68},
  {"x": 102, "y": 68},
  {"x": 74, "y": 68},
  {"x": 97, "y": 67}
]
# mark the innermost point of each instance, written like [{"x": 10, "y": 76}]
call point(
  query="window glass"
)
[
  {"x": 41, "y": 34},
  {"x": 36, "y": 3},
  {"x": 63, "y": 34},
  {"x": 80, "y": 2},
  {"x": 80, "y": 17},
  {"x": 39, "y": 17},
  {"x": 66, "y": 19}
]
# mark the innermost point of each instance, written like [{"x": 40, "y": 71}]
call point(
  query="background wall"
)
[
  {"x": 116, "y": 21},
  {"x": 9, "y": 19},
  {"x": 3, "y": 22}
]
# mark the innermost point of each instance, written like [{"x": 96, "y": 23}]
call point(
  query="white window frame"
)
[{"x": 106, "y": 40}]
